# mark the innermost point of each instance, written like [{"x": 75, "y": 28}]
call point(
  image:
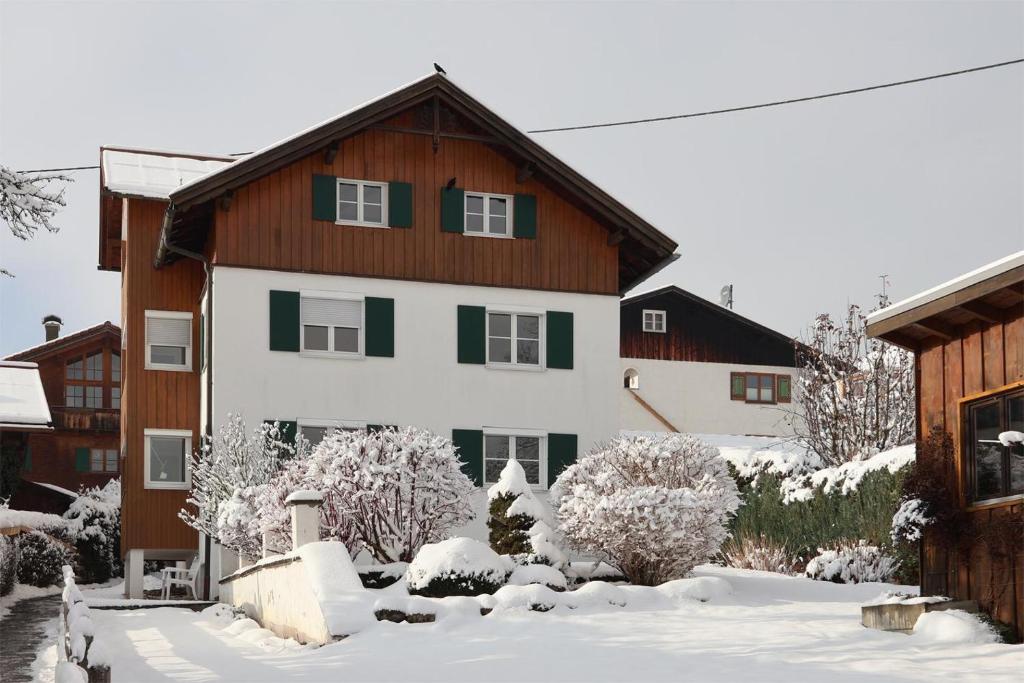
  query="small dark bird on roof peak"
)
[
  {"x": 450, "y": 184},
  {"x": 438, "y": 69}
]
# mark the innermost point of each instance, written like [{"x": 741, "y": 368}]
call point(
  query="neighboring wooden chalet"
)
[
  {"x": 968, "y": 337},
  {"x": 414, "y": 261},
  {"x": 81, "y": 377},
  {"x": 23, "y": 413},
  {"x": 693, "y": 366}
]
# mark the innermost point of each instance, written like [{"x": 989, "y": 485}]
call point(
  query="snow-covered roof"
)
[
  {"x": 154, "y": 173},
  {"x": 22, "y": 401},
  {"x": 53, "y": 345},
  {"x": 986, "y": 272}
]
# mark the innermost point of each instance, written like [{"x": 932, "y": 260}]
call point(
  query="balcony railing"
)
[{"x": 86, "y": 419}]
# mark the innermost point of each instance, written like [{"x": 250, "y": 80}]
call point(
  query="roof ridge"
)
[{"x": 77, "y": 335}]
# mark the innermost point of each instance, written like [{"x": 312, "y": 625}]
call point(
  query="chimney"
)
[{"x": 52, "y": 325}]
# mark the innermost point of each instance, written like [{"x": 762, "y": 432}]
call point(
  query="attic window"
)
[
  {"x": 362, "y": 203},
  {"x": 654, "y": 321},
  {"x": 488, "y": 214}
]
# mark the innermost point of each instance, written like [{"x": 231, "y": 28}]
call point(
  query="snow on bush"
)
[
  {"x": 760, "y": 553},
  {"x": 909, "y": 521},
  {"x": 953, "y": 626},
  {"x": 543, "y": 548},
  {"x": 846, "y": 478},
  {"x": 851, "y": 563},
  {"x": 654, "y": 508},
  {"x": 41, "y": 558},
  {"x": 94, "y": 526},
  {"x": 458, "y": 566},
  {"x": 8, "y": 564},
  {"x": 538, "y": 573},
  {"x": 512, "y": 510}
]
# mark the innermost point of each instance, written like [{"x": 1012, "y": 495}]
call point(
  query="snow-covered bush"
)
[
  {"x": 512, "y": 510},
  {"x": 758, "y": 552},
  {"x": 909, "y": 521},
  {"x": 543, "y": 546},
  {"x": 540, "y": 574},
  {"x": 458, "y": 566},
  {"x": 401, "y": 488},
  {"x": 654, "y": 508},
  {"x": 94, "y": 526},
  {"x": 41, "y": 558},
  {"x": 8, "y": 564},
  {"x": 852, "y": 562}
]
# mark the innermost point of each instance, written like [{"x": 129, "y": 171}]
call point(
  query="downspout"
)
[{"x": 166, "y": 246}]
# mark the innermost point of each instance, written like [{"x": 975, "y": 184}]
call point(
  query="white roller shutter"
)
[
  {"x": 168, "y": 331},
  {"x": 332, "y": 312}
]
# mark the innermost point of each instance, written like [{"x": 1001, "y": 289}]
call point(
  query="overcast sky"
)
[{"x": 801, "y": 207}]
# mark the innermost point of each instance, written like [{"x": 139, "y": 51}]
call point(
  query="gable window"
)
[
  {"x": 995, "y": 470},
  {"x": 331, "y": 324},
  {"x": 94, "y": 367},
  {"x": 101, "y": 460},
  {"x": 513, "y": 338},
  {"x": 488, "y": 214},
  {"x": 362, "y": 203},
  {"x": 758, "y": 387},
  {"x": 654, "y": 321},
  {"x": 115, "y": 367},
  {"x": 75, "y": 369},
  {"x": 498, "y": 448},
  {"x": 168, "y": 340},
  {"x": 166, "y": 463}
]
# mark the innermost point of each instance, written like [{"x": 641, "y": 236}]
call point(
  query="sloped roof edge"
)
[{"x": 55, "y": 345}]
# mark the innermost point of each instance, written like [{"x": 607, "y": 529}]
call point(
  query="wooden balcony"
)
[{"x": 86, "y": 419}]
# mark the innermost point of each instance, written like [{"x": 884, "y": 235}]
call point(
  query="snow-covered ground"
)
[{"x": 771, "y": 628}]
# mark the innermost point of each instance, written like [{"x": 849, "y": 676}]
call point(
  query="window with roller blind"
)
[
  {"x": 169, "y": 340},
  {"x": 331, "y": 324}
]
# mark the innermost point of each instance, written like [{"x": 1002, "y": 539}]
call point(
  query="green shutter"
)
[
  {"x": 288, "y": 429},
  {"x": 28, "y": 458},
  {"x": 453, "y": 204},
  {"x": 470, "y": 443},
  {"x": 81, "y": 459},
  {"x": 559, "y": 353},
  {"x": 784, "y": 391},
  {"x": 284, "y": 321},
  {"x": 472, "y": 344},
  {"x": 524, "y": 216},
  {"x": 738, "y": 386},
  {"x": 561, "y": 454},
  {"x": 325, "y": 198},
  {"x": 380, "y": 327},
  {"x": 399, "y": 204},
  {"x": 374, "y": 428}
]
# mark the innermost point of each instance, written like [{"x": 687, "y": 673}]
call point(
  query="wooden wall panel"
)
[
  {"x": 993, "y": 360},
  {"x": 270, "y": 224},
  {"x": 1013, "y": 347},
  {"x": 931, "y": 391},
  {"x": 154, "y": 399},
  {"x": 974, "y": 381},
  {"x": 953, "y": 384}
]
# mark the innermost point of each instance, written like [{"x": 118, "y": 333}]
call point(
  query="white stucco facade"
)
[
  {"x": 695, "y": 398},
  {"x": 423, "y": 384}
]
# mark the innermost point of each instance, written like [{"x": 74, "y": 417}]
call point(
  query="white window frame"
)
[
  {"x": 340, "y": 296},
  {"x": 176, "y": 485},
  {"x": 514, "y": 364},
  {"x": 330, "y": 424},
  {"x": 509, "y": 201},
  {"x": 658, "y": 316},
  {"x": 360, "y": 185},
  {"x": 170, "y": 315},
  {"x": 542, "y": 447}
]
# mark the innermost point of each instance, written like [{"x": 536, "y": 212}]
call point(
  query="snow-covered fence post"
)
[
  {"x": 79, "y": 647},
  {"x": 305, "y": 506}
]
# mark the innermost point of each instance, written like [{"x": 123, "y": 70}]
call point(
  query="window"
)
[
  {"x": 995, "y": 471},
  {"x": 315, "y": 431},
  {"x": 498, "y": 448},
  {"x": 166, "y": 462},
  {"x": 362, "y": 203},
  {"x": 654, "y": 321},
  {"x": 101, "y": 460},
  {"x": 513, "y": 338},
  {"x": 631, "y": 379},
  {"x": 757, "y": 387},
  {"x": 74, "y": 396},
  {"x": 94, "y": 367},
  {"x": 488, "y": 214},
  {"x": 75, "y": 369},
  {"x": 332, "y": 325},
  {"x": 94, "y": 397},
  {"x": 168, "y": 340},
  {"x": 115, "y": 367},
  {"x": 115, "y": 397}
]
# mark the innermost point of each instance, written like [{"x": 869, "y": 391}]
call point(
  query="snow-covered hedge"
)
[
  {"x": 41, "y": 558},
  {"x": 855, "y": 562},
  {"x": 458, "y": 566},
  {"x": 540, "y": 574},
  {"x": 655, "y": 508},
  {"x": 93, "y": 524}
]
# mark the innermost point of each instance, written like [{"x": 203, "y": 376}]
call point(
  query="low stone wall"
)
[
  {"x": 901, "y": 617},
  {"x": 277, "y": 593}
]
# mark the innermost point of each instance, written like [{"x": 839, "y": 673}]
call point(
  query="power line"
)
[{"x": 693, "y": 115}]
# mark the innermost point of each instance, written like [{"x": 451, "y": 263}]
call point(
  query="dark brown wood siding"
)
[
  {"x": 154, "y": 399},
  {"x": 696, "y": 333},
  {"x": 270, "y": 224},
  {"x": 983, "y": 358}
]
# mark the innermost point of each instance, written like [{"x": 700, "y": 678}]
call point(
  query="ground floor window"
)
[
  {"x": 315, "y": 431},
  {"x": 995, "y": 470},
  {"x": 498, "y": 448},
  {"x": 167, "y": 453},
  {"x": 758, "y": 387},
  {"x": 102, "y": 460}
]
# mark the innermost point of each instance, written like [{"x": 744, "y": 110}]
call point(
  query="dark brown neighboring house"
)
[
  {"x": 968, "y": 339},
  {"x": 81, "y": 377}
]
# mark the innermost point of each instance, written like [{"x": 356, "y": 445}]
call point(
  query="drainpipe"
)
[{"x": 166, "y": 246}]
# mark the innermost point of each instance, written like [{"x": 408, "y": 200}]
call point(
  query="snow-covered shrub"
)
[
  {"x": 8, "y": 564},
  {"x": 540, "y": 574},
  {"x": 909, "y": 521},
  {"x": 381, "y": 575},
  {"x": 94, "y": 526},
  {"x": 401, "y": 488},
  {"x": 512, "y": 510},
  {"x": 228, "y": 471},
  {"x": 852, "y": 562},
  {"x": 543, "y": 548},
  {"x": 458, "y": 566},
  {"x": 41, "y": 558},
  {"x": 654, "y": 508},
  {"x": 758, "y": 552}
]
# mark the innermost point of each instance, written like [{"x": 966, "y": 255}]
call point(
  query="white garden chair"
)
[{"x": 180, "y": 576}]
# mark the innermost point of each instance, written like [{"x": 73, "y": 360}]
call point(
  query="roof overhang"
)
[
  {"x": 23, "y": 406},
  {"x": 35, "y": 353},
  {"x": 990, "y": 294}
]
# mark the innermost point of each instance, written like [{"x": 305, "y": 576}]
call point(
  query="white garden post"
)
[{"x": 305, "y": 507}]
